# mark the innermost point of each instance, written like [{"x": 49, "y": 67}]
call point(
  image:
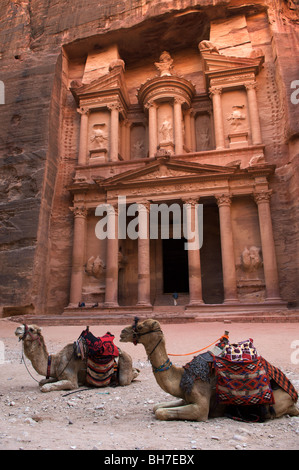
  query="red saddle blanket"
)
[
  {"x": 101, "y": 363},
  {"x": 99, "y": 346},
  {"x": 242, "y": 383},
  {"x": 248, "y": 382}
]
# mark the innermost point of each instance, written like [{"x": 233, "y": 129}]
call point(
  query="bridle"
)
[
  {"x": 26, "y": 333},
  {"x": 136, "y": 336}
]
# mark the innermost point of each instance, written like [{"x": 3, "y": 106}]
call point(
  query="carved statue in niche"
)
[
  {"x": 94, "y": 285},
  {"x": 251, "y": 259},
  {"x": 95, "y": 267},
  {"x": 166, "y": 131},
  {"x": 203, "y": 133},
  {"x": 99, "y": 137},
  {"x": 236, "y": 117},
  {"x": 138, "y": 149},
  {"x": 164, "y": 66}
]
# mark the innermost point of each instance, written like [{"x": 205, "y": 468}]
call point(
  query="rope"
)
[
  {"x": 23, "y": 359},
  {"x": 202, "y": 349}
]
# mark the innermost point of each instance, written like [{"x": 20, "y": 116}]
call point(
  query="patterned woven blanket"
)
[
  {"x": 99, "y": 346},
  {"x": 101, "y": 356},
  {"x": 282, "y": 381},
  {"x": 242, "y": 383}
]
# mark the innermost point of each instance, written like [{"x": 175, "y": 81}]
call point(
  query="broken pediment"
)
[
  {"x": 111, "y": 84},
  {"x": 218, "y": 67},
  {"x": 166, "y": 170}
]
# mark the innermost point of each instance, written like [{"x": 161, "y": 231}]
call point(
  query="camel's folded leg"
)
[
  {"x": 60, "y": 385},
  {"x": 126, "y": 372},
  {"x": 169, "y": 404},
  {"x": 191, "y": 412},
  {"x": 46, "y": 381}
]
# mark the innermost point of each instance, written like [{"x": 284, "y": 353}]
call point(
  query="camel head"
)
[
  {"x": 139, "y": 332},
  {"x": 28, "y": 333}
]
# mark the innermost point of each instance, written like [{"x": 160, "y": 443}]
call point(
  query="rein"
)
[
  {"x": 168, "y": 363},
  {"x": 49, "y": 361},
  {"x": 137, "y": 335}
]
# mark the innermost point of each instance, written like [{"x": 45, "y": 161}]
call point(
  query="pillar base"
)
[
  {"x": 231, "y": 301},
  {"x": 111, "y": 305},
  {"x": 143, "y": 304},
  {"x": 274, "y": 300},
  {"x": 194, "y": 303}
]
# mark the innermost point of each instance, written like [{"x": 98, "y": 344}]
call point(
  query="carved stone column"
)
[
  {"x": 83, "y": 136},
  {"x": 111, "y": 291},
  {"x": 144, "y": 277},
  {"x": 227, "y": 249},
  {"x": 268, "y": 248},
  {"x": 114, "y": 131},
  {"x": 194, "y": 267},
  {"x": 215, "y": 93},
  {"x": 178, "y": 129},
  {"x": 79, "y": 237},
  {"x": 152, "y": 128},
  {"x": 188, "y": 131},
  {"x": 253, "y": 113}
]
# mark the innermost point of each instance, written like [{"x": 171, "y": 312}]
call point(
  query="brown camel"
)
[
  {"x": 196, "y": 405},
  {"x": 66, "y": 371}
]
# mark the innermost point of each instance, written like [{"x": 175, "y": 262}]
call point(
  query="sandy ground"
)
[{"x": 121, "y": 418}]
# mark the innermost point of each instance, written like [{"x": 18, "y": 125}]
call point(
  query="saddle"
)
[
  {"x": 243, "y": 377},
  {"x": 100, "y": 354}
]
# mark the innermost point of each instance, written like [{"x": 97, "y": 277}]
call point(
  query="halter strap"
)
[
  {"x": 49, "y": 366},
  {"x": 163, "y": 367}
]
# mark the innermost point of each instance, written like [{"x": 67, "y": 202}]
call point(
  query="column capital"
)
[
  {"x": 115, "y": 106},
  {"x": 150, "y": 104},
  {"x": 262, "y": 196},
  {"x": 251, "y": 85},
  {"x": 79, "y": 211},
  {"x": 83, "y": 111},
  {"x": 223, "y": 199},
  {"x": 215, "y": 90},
  {"x": 179, "y": 100},
  {"x": 191, "y": 200}
]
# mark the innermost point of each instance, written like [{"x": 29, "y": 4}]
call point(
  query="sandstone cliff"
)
[{"x": 38, "y": 131}]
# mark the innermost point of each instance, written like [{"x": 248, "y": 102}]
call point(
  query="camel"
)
[
  {"x": 200, "y": 403},
  {"x": 66, "y": 371}
]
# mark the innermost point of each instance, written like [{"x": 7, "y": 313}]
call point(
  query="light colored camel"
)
[
  {"x": 201, "y": 402},
  {"x": 66, "y": 371}
]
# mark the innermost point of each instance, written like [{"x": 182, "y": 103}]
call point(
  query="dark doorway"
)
[
  {"x": 210, "y": 256},
  {"x": 175, "y": 266}
]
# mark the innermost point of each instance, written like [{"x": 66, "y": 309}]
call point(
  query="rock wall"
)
[{"x": 38, "y": 131}]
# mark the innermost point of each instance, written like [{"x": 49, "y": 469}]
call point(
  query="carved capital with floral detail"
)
[
  {"x": 215, "y": 90},
  {"x": 223, "y": 199},
  {"x": 262, "y": 196},
  {"x": 79, "y": 211},
  {"x": 251, "y": 85},
  {"x": 115, "y": 106},
  {"x": 191, "y": 200}
]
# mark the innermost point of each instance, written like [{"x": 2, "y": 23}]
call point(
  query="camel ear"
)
[{"x": 155, "y": 325}]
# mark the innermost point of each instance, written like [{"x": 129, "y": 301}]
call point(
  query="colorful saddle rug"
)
[
  {"x": 101, "y": 354},
  {"x": 101, "y": 372},
  {"x": 281, "y": 380},
  {"x": 242, "y": 383},
  {"x": 243, "y": 351}
]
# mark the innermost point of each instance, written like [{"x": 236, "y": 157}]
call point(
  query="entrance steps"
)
[{"x": 234, "y": 313}]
